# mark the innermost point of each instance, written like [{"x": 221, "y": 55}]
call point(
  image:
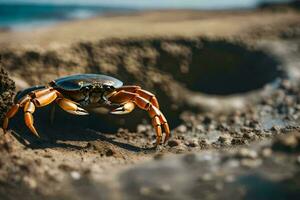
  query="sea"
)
[{"x": 28, "y": 14}]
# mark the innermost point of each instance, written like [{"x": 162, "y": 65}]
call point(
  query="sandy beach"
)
[
  {"x": 227, "y": 82},
  {"x": 164, "y": 23}
]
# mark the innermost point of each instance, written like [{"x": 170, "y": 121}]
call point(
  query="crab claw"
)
[
  {"x": 71, "y": 107},
  {"x": 79, "y": 111},
  {"x": 124, "y": 109}
]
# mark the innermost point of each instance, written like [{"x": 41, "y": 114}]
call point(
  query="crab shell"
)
[
  {"x": 77, "y": 87},
  {"x": 77, "y": 82}
]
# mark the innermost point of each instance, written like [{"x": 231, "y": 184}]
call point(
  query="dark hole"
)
[{"x": 222, "y": 68}]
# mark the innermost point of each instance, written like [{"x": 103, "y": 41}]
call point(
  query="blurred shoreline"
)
[
  {"x": 26, "y": 16},
  {"x": 157, "y": 23},
  {"x": 18, "y": 16}
]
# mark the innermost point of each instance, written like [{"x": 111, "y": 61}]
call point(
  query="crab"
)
[{"x": 76, "y": 93}]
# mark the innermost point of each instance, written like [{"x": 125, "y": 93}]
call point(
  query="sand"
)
[{"x": 226, "y": 81}]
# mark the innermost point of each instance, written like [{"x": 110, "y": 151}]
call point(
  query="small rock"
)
[
  {"x": 110, "y": 152},
  {"x": 238, "y": 141},
  {"x": 181, "y": 148},
  {"x": 211, "y": 127},
  {"x": 247, "y": 153},
  {"x": 75, "y": 175},
  {"x": 207, "y": 120},
  {"x": 245, "y": 129},
  {"x": 225, "y": 139},
  {"x": 275, "y": 128},
  {"x": 201, "y": 129},
  {"x": 235, "y": 120},
  {"x": 30, "y": 182},
  {"x": 141, "y": 128},
  {"x": 203, "y": 143},
  {"x": 249, "y": 135},
  {"x": 266, "y": 152},
  {"x": 192, "y": 143},
  {"x": 174, "y": 142},
  {"x": 223, "y": 127},
  {"x": 181, "y": 129},
  {"x": 253, "y": 124}
]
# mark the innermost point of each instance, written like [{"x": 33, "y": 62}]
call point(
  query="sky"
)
[{"x": 191, "y": 4}]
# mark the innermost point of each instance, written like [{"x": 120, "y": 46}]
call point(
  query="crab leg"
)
[
  {"x": 38, "y": 98},
  {"x": 124, "y": 109},
  {"x": 11, "y": 113},
  {"x": 143, "y": 93},
  {"x": 71, "y": 106},
  {"x": 29, "y": 109},
  {"x": 158, "y": 119}
]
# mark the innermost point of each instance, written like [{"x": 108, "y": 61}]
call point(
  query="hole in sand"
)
[{"x": 218, "y": 67}]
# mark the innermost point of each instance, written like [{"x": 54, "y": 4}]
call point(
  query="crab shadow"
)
[{"x": 66, "y": 129}]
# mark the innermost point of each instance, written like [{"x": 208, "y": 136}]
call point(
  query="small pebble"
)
[
  {"x": 110, "y": 152},
  {"x": 192, "y": 143},
  {"x": 141, "y": 128},
  {"x": 181, "y": 129},
  {"x": 266, "y": 152},
  {"x": 174, "y": 142},
  {"x": 201, "y": 129},
  {"x": 75, "y": 175},
  {"x": 249, "y": 135},
  {"x": 225, "y": 139},
  {"x": 247, "y": 153},
  {"x": 207, "y": 120},
  {"x": 30, "y": 182}
]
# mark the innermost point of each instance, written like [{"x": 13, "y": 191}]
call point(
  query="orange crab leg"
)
[
  {"x": 45, "y": 99},
  {"x": 29, "y": 109},
  {"x": 11, "y": 113},
  {"x": 71, "y": 106},
  {"x": 41, "y": 92},
  {"x": 29, "y": 102},
  {"x": 143, "y": 93},
  {"x": 158, "y": 119}
]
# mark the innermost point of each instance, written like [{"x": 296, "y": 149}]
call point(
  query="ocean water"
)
[{"x": 27, "y": 14}]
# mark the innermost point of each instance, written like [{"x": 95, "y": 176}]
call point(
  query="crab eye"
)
[{"x": 108, "y": 87}]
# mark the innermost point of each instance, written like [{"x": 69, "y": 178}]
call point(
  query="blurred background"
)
[{"x": 25, "y": 14}]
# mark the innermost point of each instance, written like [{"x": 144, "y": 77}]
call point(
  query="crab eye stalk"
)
[{"x": 108, "y": 87}]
